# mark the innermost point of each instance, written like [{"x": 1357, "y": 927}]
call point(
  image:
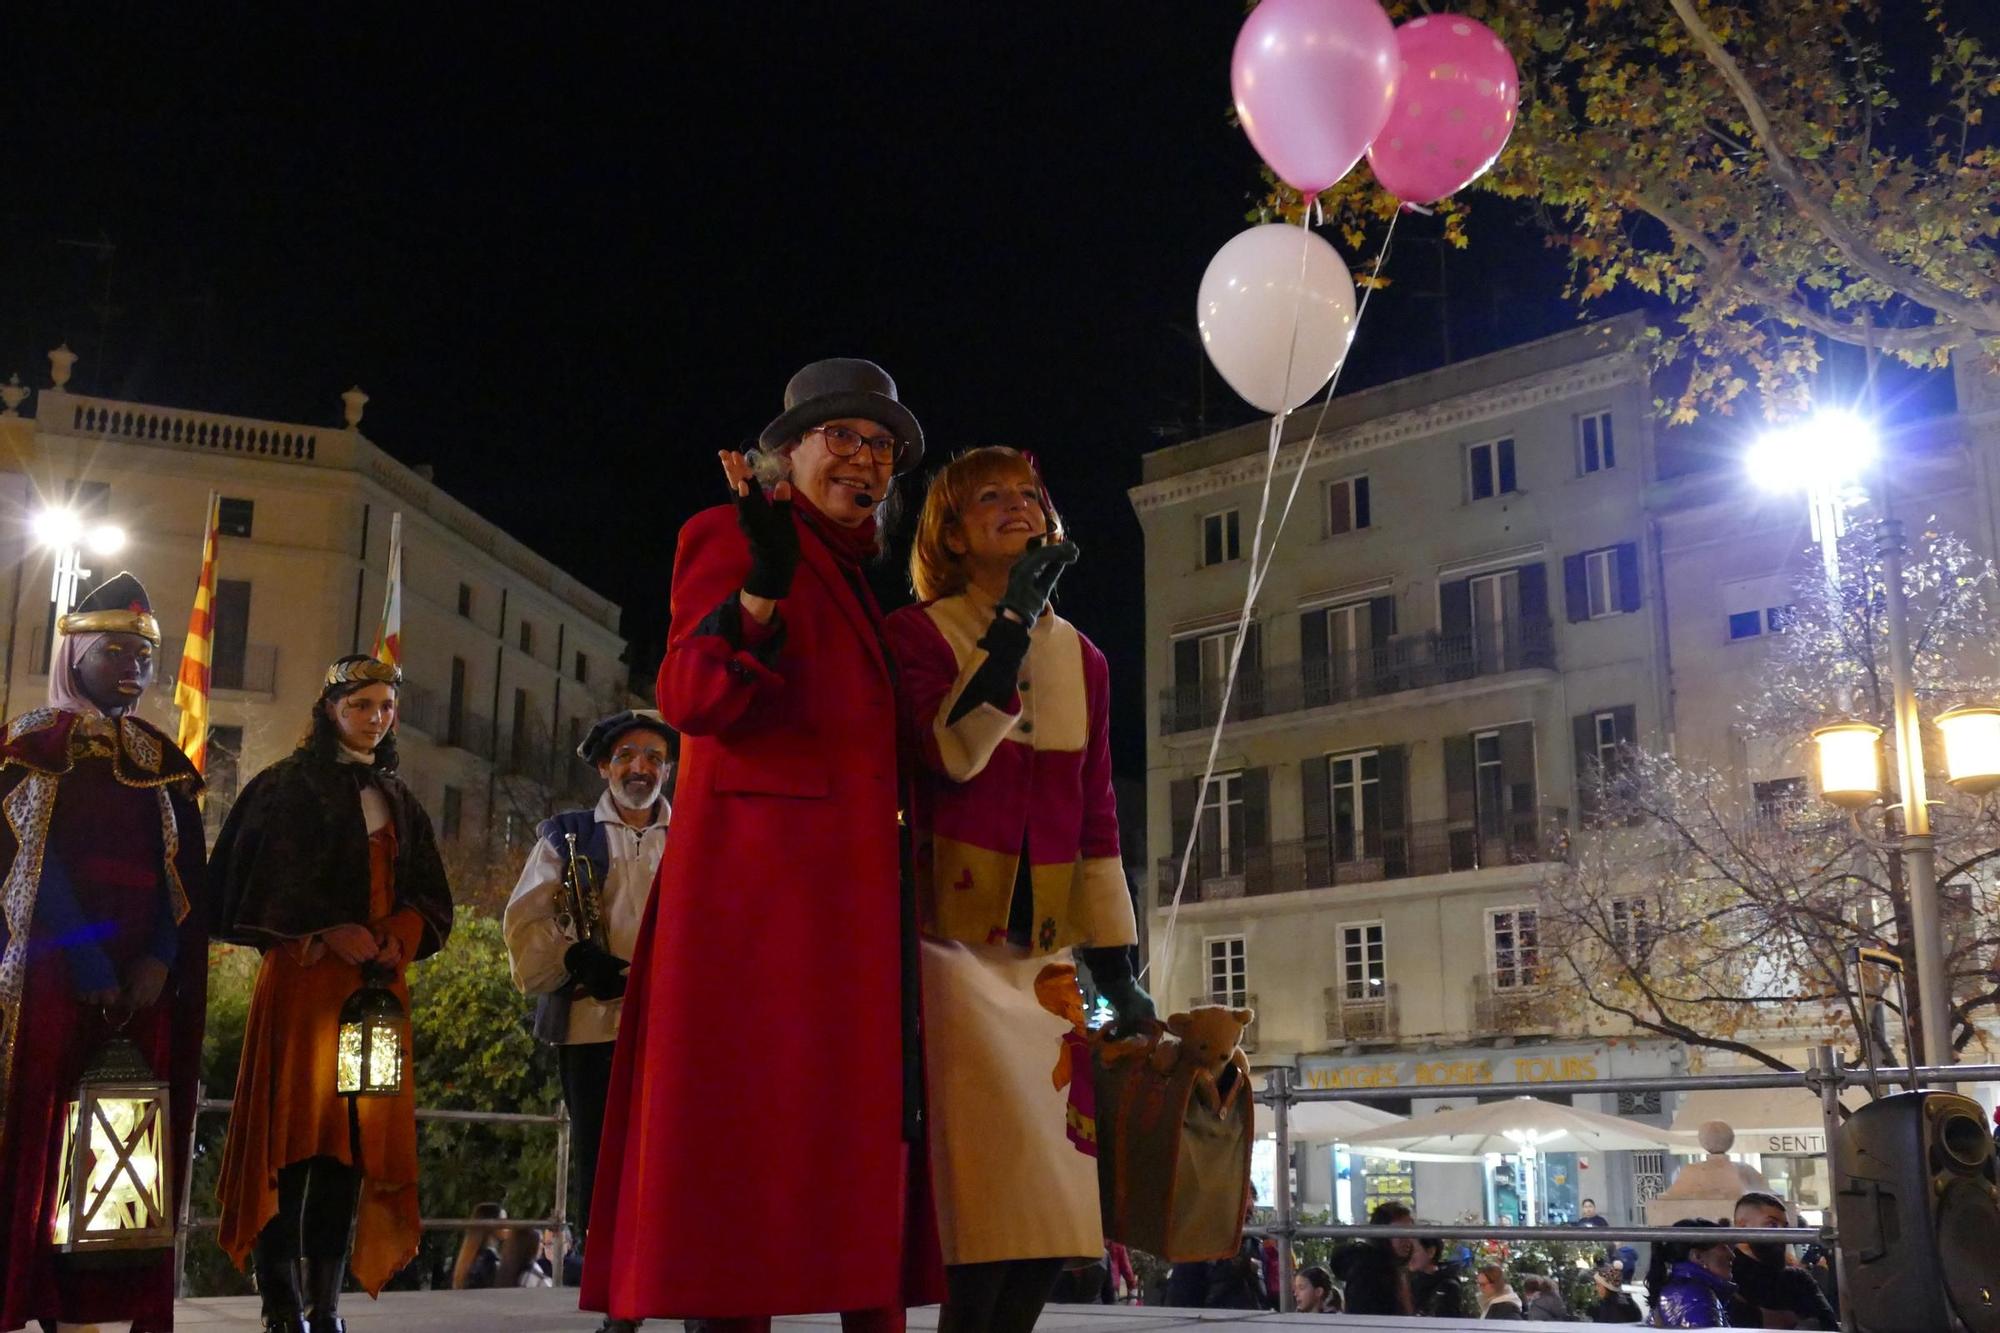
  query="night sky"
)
[{"x": 569, "y": 256}]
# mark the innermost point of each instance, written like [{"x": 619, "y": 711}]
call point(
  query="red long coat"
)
[{"x": 754, "y": 1157}]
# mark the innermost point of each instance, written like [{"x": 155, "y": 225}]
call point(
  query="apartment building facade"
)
[
  {"x": 1491, "y": 580},
  {"x": 507, "y": 658}
]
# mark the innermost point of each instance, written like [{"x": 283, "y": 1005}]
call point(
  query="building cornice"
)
[{"x": 1454, "y": 413}]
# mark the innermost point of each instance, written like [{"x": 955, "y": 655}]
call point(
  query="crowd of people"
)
[{"x": 869, "y": 808}]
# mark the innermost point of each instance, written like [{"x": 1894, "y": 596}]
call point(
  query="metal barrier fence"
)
[
  {"x": 558, "y": 1223},
  {"x": 1825, "y": 1076}
]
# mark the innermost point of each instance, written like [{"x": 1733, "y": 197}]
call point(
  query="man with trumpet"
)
[{"x": 574, "y": 915}]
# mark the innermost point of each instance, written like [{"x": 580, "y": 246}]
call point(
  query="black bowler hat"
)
[
  {"x": 607, "y": 731},
  {"x": 846, "y": 386},
  {"x": 118, "y": 605}
]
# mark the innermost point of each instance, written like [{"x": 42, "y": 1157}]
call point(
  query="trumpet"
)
[{"x": 579, "y": 900}]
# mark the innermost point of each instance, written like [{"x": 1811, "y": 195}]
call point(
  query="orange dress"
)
[{"x": 287, "y": 1110}]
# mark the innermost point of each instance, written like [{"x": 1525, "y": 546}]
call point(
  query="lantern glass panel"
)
[
  {"x": 1971, "y": 747},
  {"x": 113, "y": 1183},
  {"x": 1850, "y": 765},
  {"x": 368, "y": 1053}
]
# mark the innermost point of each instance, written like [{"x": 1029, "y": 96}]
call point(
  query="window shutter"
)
[
  {"x": 230, "y": 643},
  {"x": 1364, "y": 516},
  {"x": 1256, "y": 860},
  {"x": 1517, "y": 765},
  {"x": 1314, "y": 796},
  {"x": 1187, "y": 662},
  {"x": 1250, "y": 674},
  {"x": 1455, "y": 607},
  {"x": 1315, "y": 670},
  {"x": 1576, "y": 592},
  {"x": 1506, "y": 451},
  {"x": 1337, "y": 502},
  {"x": 1460, "y": 805},
  {"x": 1391, "y": 770},
  {"x": 1588, "y": 779},
  {"x": 1312, "y": 635},
  {"x": 1381, "y": 619},
  {"x": 1534, "y": 593},
  {"x": 1628, "y": 576}
]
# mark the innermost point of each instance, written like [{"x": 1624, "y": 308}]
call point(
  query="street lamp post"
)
[
  {"x": 1825, "y": 456},
  {"x": 64, "y": 533}
]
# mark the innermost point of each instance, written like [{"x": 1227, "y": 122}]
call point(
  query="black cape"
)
[{"x": 292, "y": 858}]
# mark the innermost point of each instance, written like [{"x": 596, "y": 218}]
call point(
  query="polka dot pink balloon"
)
[{"x": 1454, "y": 109}]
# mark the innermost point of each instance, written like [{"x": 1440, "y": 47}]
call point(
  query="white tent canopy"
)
[
  {"x": 1470, "y": 1133},
  {"x": 1336, "y": 1122}
]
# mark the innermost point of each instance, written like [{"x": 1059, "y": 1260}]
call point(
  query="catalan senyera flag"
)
[
  {"x": 191, "y": 685},
  {"x": 389, "y": 636}
]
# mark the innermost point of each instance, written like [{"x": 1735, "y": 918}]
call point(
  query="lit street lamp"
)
[
  {"x": 1826, "y": 456},
  {"x": 64, "y": 533}
]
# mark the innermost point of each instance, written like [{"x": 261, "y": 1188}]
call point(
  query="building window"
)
[
  {"x": 1201, "y": 666},
  {"x": 1603, "y": 582},
  {"x": 582, "y": 669},
  {"x": 465, "y": 600},
  {"x": 1490, "y": 469},
  {"x": 1489, "y": 786},
  {"x": 233, "y": 517},
  {"x": 1222, "y": 827},
  {"x": 1515, "y": 934},
  {"x": 1631, "y": 925},
  {"x": 1778, "y": 619},
  {"x": 1603, "y": 759},
  {"x": 527, "y": 638},
  {"x": 518, "y": 733},
  {"x": 1228, "y": 972},
  {"x": 1778, "y": 798},
  {"x": 453, "y": 812},
  {"x": 1605, "y": 727},
  {"x": 1354, "y": 781},
  {"x": 1594, "y": 449},
  {"x": 454, "y": 716},
  {"x": 1364, "y": 971},
  {"x": 1221, "y": 538},
  {"x": 1746, "y": 624},
  {"x": 229, "y": 634},
  {"x": 1347, "y": 506}
]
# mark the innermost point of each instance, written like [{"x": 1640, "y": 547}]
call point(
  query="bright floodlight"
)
[
  {"x": 106, "y": 539},
  {"x": 58, "y": 528},
  {"x": 1830, "y": 448}
]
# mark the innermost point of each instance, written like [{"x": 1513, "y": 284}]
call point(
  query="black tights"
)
[
  {"x": 316, "y": 1202},
  {"x": 1002, "y": 1297}
]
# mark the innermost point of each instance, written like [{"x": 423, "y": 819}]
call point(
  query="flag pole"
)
[{"x": 191, "y": 684}]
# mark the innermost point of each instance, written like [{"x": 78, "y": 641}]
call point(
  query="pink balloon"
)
[
  {"x": 1314, "y": 81},
  {"x": 1453, "y": 112}
]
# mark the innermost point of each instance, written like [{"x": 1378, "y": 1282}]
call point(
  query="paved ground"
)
[{"x": 555, "y": 1312}]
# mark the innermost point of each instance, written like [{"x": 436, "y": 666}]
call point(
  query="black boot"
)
[
  {"x": 323, "y": 1279},
  {"x": 278, "y": 1284}
]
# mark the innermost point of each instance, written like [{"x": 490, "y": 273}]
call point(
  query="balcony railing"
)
[
  {"x": 418, "y": 707},
  {"x": 1356, "y": 1011},
  {"x": 1435, "y": 847},
  {"x": 1504, "y": 1006},
  {"x": 1248, "y": 1041},
  {"x": 1409, "y": 662}
]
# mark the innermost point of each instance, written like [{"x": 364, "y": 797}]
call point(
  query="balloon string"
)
[{"x": 1260, "y": 565}]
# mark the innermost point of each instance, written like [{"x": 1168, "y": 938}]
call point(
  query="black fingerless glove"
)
[
  {"x": 601, "y": 975},
  {"x": 1006, "y": 645},
  {"x": 1111, "y": 971},
  {"x": 774, "y": 544}
]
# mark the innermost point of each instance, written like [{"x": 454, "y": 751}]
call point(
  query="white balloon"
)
[{"x": 1256, "y": 290}]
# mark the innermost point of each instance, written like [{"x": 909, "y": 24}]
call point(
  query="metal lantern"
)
[
  {"x": 1971, "y": 747},
  {"x": 369, "y": 1054},
  {"x": 116, "y": 1184},
  {"x": 1850, "y": 763}
]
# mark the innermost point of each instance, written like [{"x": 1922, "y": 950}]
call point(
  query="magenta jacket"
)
[{"x": 1036, "y": 775}]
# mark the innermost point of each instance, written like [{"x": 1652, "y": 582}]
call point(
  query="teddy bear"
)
[{"x": 1205, "y": 1036}]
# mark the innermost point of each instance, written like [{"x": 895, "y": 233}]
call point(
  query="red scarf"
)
[{"x": 852, "y": 547}]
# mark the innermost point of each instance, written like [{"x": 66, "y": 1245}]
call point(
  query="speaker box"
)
[{"x": 1917, "y": 1199}]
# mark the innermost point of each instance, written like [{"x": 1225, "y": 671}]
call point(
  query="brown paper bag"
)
[{"x": 1173, "y": 1175}]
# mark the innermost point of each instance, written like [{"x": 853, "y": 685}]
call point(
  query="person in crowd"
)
[
  {"x": 1008, "y": 708},
  {"x": 1772, "y": 1292},
  {"x": 1688, "y": 1284},
  {"x": 1588, "y": 1216},
  {"x": 328, "y": 864},
  {"x": 103, "y": 936},
  {"x": 781, "y": 916},
  {"x": 1497, "y": 1297},
  {"x": 1819, "y": 1263},
  {"x": 599, "y": 862},
  {"x": 1613, "y": 1305},
  {"x": 1542, "y": 1301},
  {"x": 1437, "y": 1284},
  {"x": 1375, "y": 1272},
  {"x": 1313, "y": 1292},
  {"x": 478, "y": 1261}
]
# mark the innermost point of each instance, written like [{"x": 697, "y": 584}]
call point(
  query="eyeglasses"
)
[{"x": 844, "y": 443}]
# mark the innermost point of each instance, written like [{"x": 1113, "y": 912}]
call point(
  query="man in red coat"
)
[{"x": 762, "y": 1145}]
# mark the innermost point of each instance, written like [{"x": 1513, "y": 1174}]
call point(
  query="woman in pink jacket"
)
[{"x": 1017, "y": 863}]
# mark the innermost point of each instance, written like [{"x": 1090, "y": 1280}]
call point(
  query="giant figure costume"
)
[{"x": 102, "y": 848}]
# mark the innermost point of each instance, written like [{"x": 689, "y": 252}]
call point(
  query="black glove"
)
[
  {"x": 1111, "y": 970},
  {"x": 601, "y": 976},
  {"x": 1033, "y": 579},
  {"x": 774, "y": 543}
]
